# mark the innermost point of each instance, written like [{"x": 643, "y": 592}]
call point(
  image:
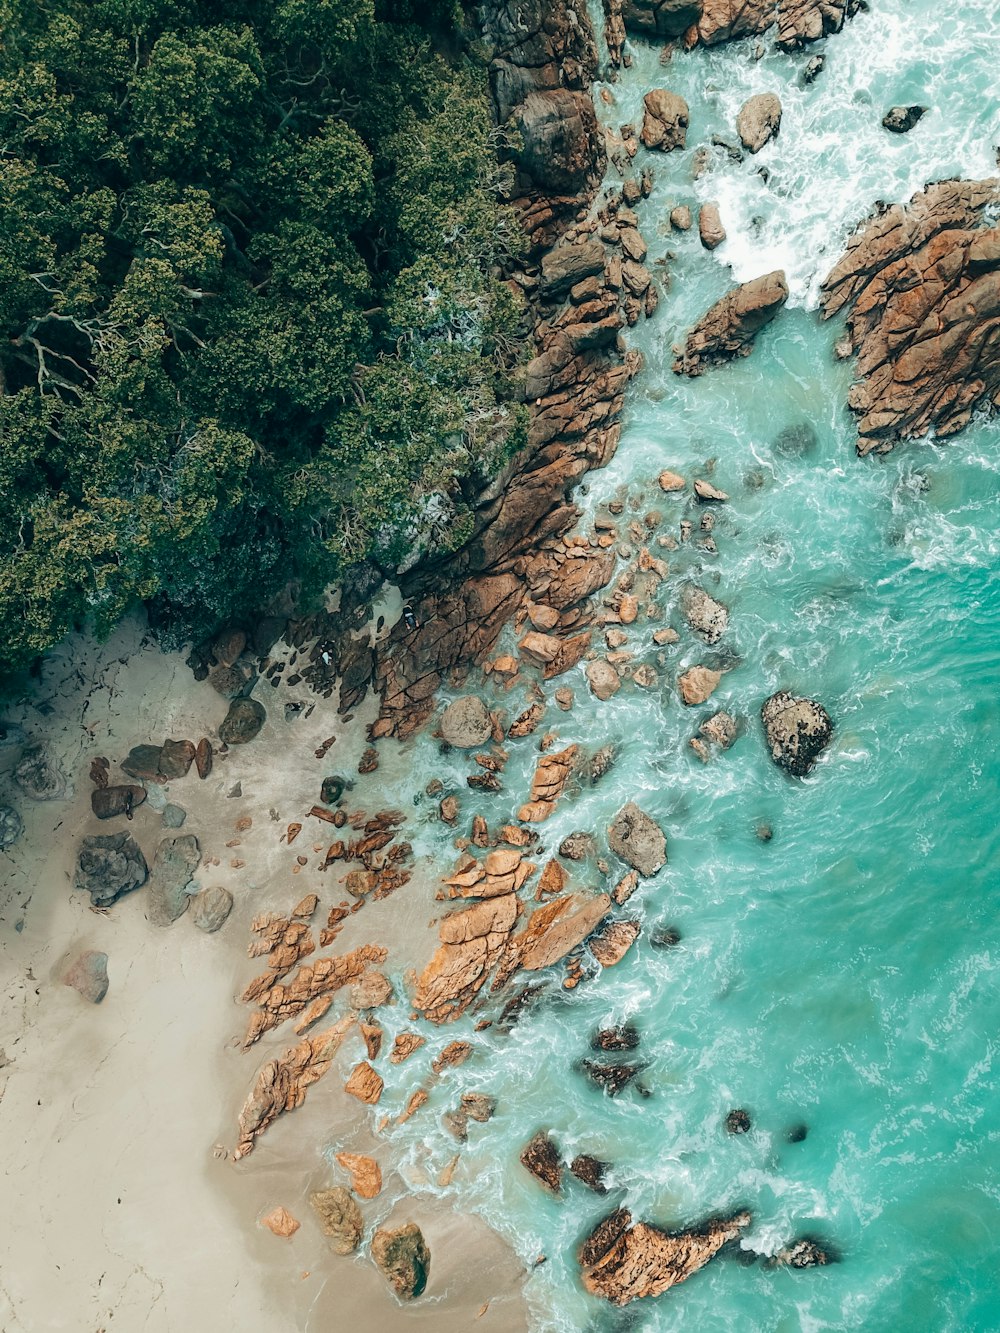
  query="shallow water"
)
[{"x": 845, "y": 974}]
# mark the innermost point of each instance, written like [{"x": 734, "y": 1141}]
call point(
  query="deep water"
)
[{"x": 845, "y": 974}]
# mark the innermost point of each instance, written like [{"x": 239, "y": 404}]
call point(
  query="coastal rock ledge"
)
[
  {"x": 797, "y": 731},
  {"x": 622, "y": 1262}
]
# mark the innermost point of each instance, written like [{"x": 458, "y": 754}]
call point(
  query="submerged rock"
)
[
  {"x": 89, "y": 976},
  {"x": 665, "y": 937},
  {"x": 624, "y": 1038},
  {"x": 638, "y": 840},
  {"x": 612, "y": 1078},
  {"x": 109, "y": 865},
  {"x": 402, "y": 1256},
  {"x": 340, "y": 1218},
  {"x": 803, "y": 1253},
  {"x": 466, "y": 723},
  {"x": 797, "y": 730},
  {"x": 174, "y": 864}
]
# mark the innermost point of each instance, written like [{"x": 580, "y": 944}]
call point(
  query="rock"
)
[
  {"x": 591, "y": 1171},
  {"x": 229, "y": 681},
  {"x": 577, "y": 846},
  {"x": 143, "y": 762},
  {"x": 210, "y": 908},
  {"x": 454, "y": 1054},
  {"x": 661, "y": 18},
  {"x": 557, "y": 130},
  {"x": 364, "y": 1083},
  {"x": 698, "y": 684},
  {"x": 466, "y": 723},
  {"x": 603, "y": 679},
  {"x": 176, "y": 758},
  {"x": 710, "y": 228},
  {"x": 38, "y": 776},
  {"x": 764, "y": 832},
  {"x": 404, "y": 1046},
  {"x": 813, "y": 68},
  {"x": 551, "y": 776},
  {"x": 708, "y": 618},
  {"x": 804, "y": 1253},
  {"x": 758, "y": 121},
  {"x": 720, "y": 728},
  {"x": 89, "y": 975},
  {"x": 923, "y": 282},
  {"x": 797, "y": 1133},
  {"x": 340, "y": 1218},
  {"x": 738, "y": 1122},
  {"x": 541, "y": 1158},
  {"x": 472, "y": 943},
  {"x": 706, "y": 493},
  {"x": 610, "y": 944},
  {"x": 612, "y": 1079},
  {"x": 203, "y": 757},
  {"x": 281, "y": 1222},
  {"x": 799, "y": 21},
  {"x": 623, "y": 1038},
  {"x": 109, "y": 865},
  {"x": 243, "y": 722},
  {"x": 665, "y": 121},
  {"x": 402, "y": 1256},
  {"x": 638, "y": 840},
  {"x": 729, "y": 327},
  {"x": 477, "y": 1106},
  {"x": 901, "y": 119},
  {"x": 366, "y": 1174},
  {"x": 680, "y": 218},
  {"x": 372, "y": 990},
  {"x": 671, "y": 481},
  {"x": 664, "y": 937},
  {"x": 567, "y": 264},
  {"x": 796, "y": 441},
  {"x": 174, "y": 864},
  {"x": 622, "y": 1262},
  {"x": 601, "y": 762},
  {"x": 108, "y": 802},
  {"x": 797, "y": 730},
  {"x": 448, "y": 810},
  {"x": 666, "y": 636},
  {"x": 11, "y": 826},
  {"x": 173, "y": 816}
]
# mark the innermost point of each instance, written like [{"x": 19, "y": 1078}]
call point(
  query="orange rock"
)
[
  {"x": 698, "y": 684},
  {"x": 305, "y": 907},
  {"x": 312, "y": 1013},
  {"x": 364, "y": 1083},
  {"x": 552, "y": 880},
  {"x": 366, "y": 1174},
  {"x": 292, "y": 832},
  {"x": 550, "y": 778},
  {"x": 281, "y": 1222},
  {"x": 454, "y": 1054},
  {"x": 417, "y": 1100},
  {"x": 372, "y": 1034},
  {"x": 404, "y": 1046},
  {"x": 282, "y": 1000},
  {"x": 610, "y": 945}
]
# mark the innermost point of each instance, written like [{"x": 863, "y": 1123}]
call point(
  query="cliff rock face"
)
[
  {"x": 923, "y": 284},
  {"x": 622, "y": 1261},
  {"x": 729, "y": 328}
]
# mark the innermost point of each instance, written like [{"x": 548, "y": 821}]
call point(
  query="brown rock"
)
[
  {"x": 366, "y": 1174},
  {"x": 680, "y": 218},
  {"x": 281, "y": 1222},
  {"x": 557, "y": 927},
  {"x": 708, "y": 618},
  {"x": 610, "y": 945},
  {"x": 665, "y": 120},
  {"x": 404, "y": 1046},
  {"x": 603, "y": 679},
  {"x": 340, "y": 1218},
  {"x": 203, "y": 757},
  {"x": 477, "y": 1106},
  {"x": 454, "y": 1054},
  {"x": 541, "y": 1158},
  {"x": 758, "y": 121},
  {"x": 89, "y": 975},
  {"x": 465, "y": 723},
  {"x": 364, "y": 1083},
  {"x": 403, "y": 1258},
  {"x": 143, "y": 762},
  {"x": 710, "y": 228},
  {"x": 371, "y": 1033},
  {"x": 473, "y": 941},
  {"x": 243, "y": 722},
  {"x": 591, "y": 1171},
  {"x": 797, "y": 730},
  {"x": 281, "y": 1000},
  {"x": 108, "y": 802},
  {"x": 622, "y": 1262},
  {"x": 547, "y": 785},
  {"x": 706, "y": 493},
  {"x": 698, "y": 684},
  {"x": 448, "y": 810},
  {"x": 729, "y": 327},
  {"x": 671, "y": 481},
  {"x": 372, "y": 990}
]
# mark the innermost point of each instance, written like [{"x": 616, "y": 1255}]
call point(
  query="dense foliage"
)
[{"x": 252, "y": 318}]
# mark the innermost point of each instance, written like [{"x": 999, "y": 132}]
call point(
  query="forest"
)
[{"x": 254, "y": 323}]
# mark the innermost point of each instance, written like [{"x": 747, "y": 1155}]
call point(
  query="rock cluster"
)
[
  {"x": 729, "y": 327},
  {"x": 922, "y": 282}
]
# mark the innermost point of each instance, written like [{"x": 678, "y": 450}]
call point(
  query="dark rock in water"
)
[
  {"x": 624, "y": 1038},
  {"x": 813, "y": 69},
  {"x": 901, "y": 119},
  {"x": 173, "y": 816},
  {"x": 210, "y": 908},
  {"x": 797, "y": 1133},
  {"x": 612, "y": 1078},
  {"x": 174, "y": 864},
  {"x": 143, "y": 762},
  {"x": 107, "y": 802},
  {"x": 764, "y": 832},
  {"x": 109, "y": 865},
  {"x": 797, "y": 730},
  {"x": 243, "y": 721},
  {"x": 802, "y": 1253},
  {"x": 89, "y": 975},
  {"x": 403, "y": 1259},
  {"x": 638, "y": 840},
  {"x": 738, "y": 1121},
  {"x": 39, "y": 777},
  {"x": 664, "y": 937},
  {"x": 520, "y": 1001},
  {"x": 591, "y": 1171},
  {"x": 333, "y": 789},
  {"x": 541, "y": 1158},
  {"x": 11, "y": 826},
  {"x": 796, "y": 441}
]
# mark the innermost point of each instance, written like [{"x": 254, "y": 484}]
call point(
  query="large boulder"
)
[
  {"x": 710, "y": 229},
  {"x": 108, "y": 802},
  {"x": 176, "y": 758},
  {"x": 565, "y": 265},
  {"x": 603, "y": 679},
  {"x": 340, "y": 1218},
  {"x": 174, "y": 864},
  {"x": 665, "y": 120},
  {"x": 728, "y": 328},
  {"x": 465, "y": 723},
  {"x": 39, "y": 776},
  {"x": 708, "y": 618},
  {"x": 109, "y": 865},
  {"x": 758, "y": 121},
  {"x": 560, "y": 144},
  {"x": 540, "y": 1156},
  {"x": 243, "y": 721},
  {"x": 638, "y": 840},
  {"x": 89, "y": 975},
  {"x": 797, "y": 731},
  {"x": 402, "y": 1256}
]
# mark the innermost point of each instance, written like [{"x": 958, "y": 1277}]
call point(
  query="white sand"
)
[{"x": 117, "y": 1213}]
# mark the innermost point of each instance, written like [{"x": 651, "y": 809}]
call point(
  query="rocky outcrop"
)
[
  {"x": 472, "y": 943},
  {"x": 279, "y": 1000},
  {"x": 465, "y": 723},
  {"x": 612, "y": 942},
  {"x": 661, "y": 18},
  {"x": 109, "y": 865},
  {"x": 638, "y": 840},
  {"x": 922, "y": 282},
  {"x": 758, "y": 121},
  {"x": 89, "y": 975},
  {"x": 797, "y": 730},
  {"x": 365, "y": 1172},
  {"x": 340, "y": 1218},
  {"x": 281, "y": 1084},
  {"x": 729, "y": 327},
  {"x": 799, "y": 21},
  {"x": 402, "y": 1257},
  {"x": 665, "y": 120},
  {"x": 622, "y": 1261}
]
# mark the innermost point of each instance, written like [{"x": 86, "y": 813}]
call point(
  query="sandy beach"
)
[{"x": 124, "y": 1207}]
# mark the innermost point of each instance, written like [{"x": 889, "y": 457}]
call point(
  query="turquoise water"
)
[{"x": 845, "y": 974}]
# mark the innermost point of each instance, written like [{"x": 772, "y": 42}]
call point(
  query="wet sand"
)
[{"x": 123, "y": 1207}]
